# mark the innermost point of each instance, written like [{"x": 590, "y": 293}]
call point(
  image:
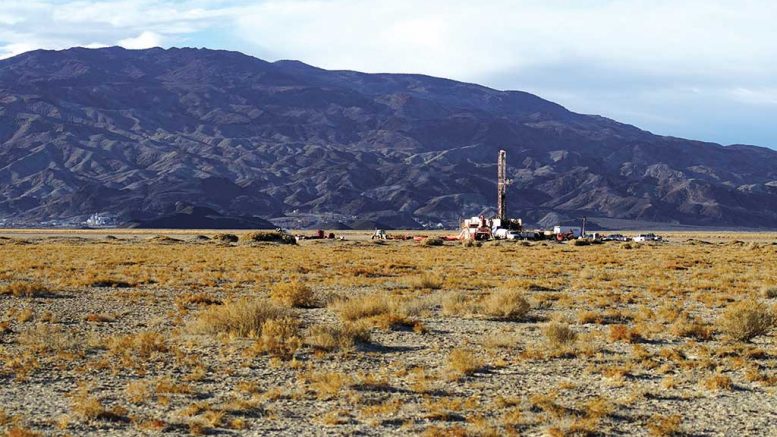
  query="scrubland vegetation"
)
[{"x": 242, "y": 334}]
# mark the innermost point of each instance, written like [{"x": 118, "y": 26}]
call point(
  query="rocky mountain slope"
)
[{"x": 141, "y": 132}]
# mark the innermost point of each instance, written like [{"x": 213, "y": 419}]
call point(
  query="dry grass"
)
[
  {"x": 718, "y": 382},
  {"x": 769, "y": 292},
  {"x": 456, "y": 303},
  {"x": 292, "y": 294},
  {"x": 506, "y": 304},
  {"x": 463, "y": 361},
  {"x": 379, "y": 309},
  {"x": 138, "y": 348},
  {"x": 279, "y": 337},
  {"x": 426, "y": 282},
  {"x": 99, "y": 318},
  {"x": 226, "y": 238},
  {"x": 338, "y": 337},
  {"x": 624, "y": 333},
  {"x": 25, "y": 289},
  {"x": 433, "y": 241},
  {"x": 327, "y": 385},
  {"x": 268, "y": 236},
  {"x": 385, "y": 355},
  {"x": 747, "y": 320},
  {"x": 691, "y": 328},
  {"x": 244, "y": 318},
  {"x": 665, "y": 426},
  {"x": 559, "y": 335}
]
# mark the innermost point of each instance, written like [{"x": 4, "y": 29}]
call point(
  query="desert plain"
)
[{"x": 191, "y": 332}]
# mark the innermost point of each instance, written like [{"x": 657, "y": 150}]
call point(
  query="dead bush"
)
[
  {"x": 506, "y": 304},
  {"x": 559, "y": 335},
  {"x": 25, "y": 289},
  {"x": 688, "y": 327},
  {"x": 362, "y": 307},
  {"x": 279, "y": 337},
  {"x": 331, "y": 338},
  {"x": 379, "y": 309},
  {"x": 433, "y": 241},
  {"x": 99, "y": 318},
  {"x": 142, "y": 345},
  {"x": 49, "y": 338},
  {"x": 664, "y": 426},
  {"x": 425, "y": 282},
  {"x": 624, "y": 333},
  {"x": 88, "y": 407},
  {"x": 196, "y": 299},
  {"x": 243, "y": 318},
  {"x": 464, "y": 362},
  {"x": 456, "y": 303},
  {"x": 226, "y": 238},
  {"x": 269, "y": 237},
  {"x": 328, "y": 385},
  {"x": 292, "y": 294},
  {"x": 110, "y": 283},
  {"x": 746, "y": 320},
  {"x": 769, "y": 292},
  {"x": 718, "y": 382}
]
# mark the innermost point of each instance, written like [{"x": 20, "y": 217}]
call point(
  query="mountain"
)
[{"x": 139, "y": 133}]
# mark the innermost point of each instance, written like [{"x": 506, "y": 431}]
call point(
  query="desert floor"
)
[{"x": 184, "y": 333}]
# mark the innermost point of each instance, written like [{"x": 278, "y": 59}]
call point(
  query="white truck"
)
[
  {"x": 576, "y": 231},
  {"x": 642, "y": 238}
]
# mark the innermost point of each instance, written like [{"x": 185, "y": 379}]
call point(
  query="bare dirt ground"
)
[{"x": 138, "y": 333}]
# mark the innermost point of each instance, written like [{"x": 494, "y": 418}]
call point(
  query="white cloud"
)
[
  {"x": 145, "y": 40},
  {"x": 762, "y": 96},
  {"x": 14, "y": 49},
  {"x": 469, "y": 39}
]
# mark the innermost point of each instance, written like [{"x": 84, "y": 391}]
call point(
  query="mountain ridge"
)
[{"x": 137, "y": 132}]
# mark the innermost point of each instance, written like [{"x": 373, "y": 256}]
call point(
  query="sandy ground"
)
[{"x": 62, "y": 373}]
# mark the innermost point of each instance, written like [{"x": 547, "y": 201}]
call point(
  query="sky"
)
[{"x": 700, "y": 69}]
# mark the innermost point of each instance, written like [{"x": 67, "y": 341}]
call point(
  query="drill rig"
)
[{"x": 482, "y": 228}]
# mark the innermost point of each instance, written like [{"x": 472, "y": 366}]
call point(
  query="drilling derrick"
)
[{"x": 501, "y": 186}]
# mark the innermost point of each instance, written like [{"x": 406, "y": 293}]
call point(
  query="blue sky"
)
[{"x": 701, "y": 69}]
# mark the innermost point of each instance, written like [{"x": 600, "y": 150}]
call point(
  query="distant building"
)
[{"x": 102, "y": 220}]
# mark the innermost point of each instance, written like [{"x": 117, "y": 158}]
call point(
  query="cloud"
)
[
  {"x": 662, "y": 64},
  {"x": 763, "y": 96},
  {"x": 145, "y": 40}
]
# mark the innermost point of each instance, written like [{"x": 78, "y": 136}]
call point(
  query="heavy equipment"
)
[{"x": 482, "y": 228}]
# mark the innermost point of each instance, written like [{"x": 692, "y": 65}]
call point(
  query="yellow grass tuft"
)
[
  {"x": 624, "y": 333},
  {"x": 559, "y": 335},
  {"x": 664, "y": 426},
  {"x": 280, "y": 337},
  {"x": 292, "y": 294},
  {"x": 243, "y": 318},
  {"x": 464, "y": 362},
  {"x": 746, "y": 320},
  {"x": 718, "y": 382},
  {"x": 345, "y": 337},
  {"x": 25, "y": 289},
  {"x": 506, "y": 304},
  {"x": 425, "y": 282}
]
